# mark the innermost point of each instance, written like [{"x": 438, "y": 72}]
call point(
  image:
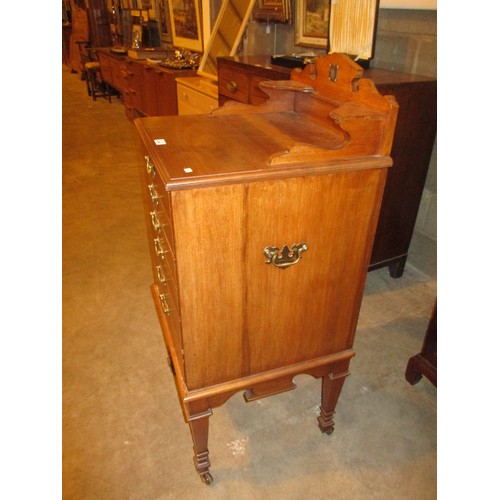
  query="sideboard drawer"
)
[
  {"x": 191, "y": 102},
  {"x": 234, "y": 84},
  {"x": 257, "y": 96}
]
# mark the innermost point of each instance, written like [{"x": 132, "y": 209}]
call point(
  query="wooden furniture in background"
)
[
  {"x": 411, "y": 152},
  {"x": 196, "y": 95},
  {"x": 66, "y": 43},
  {"x": 261, "y": 222},
  {"x": 147, "y": 90},
  {"x": 79, "y": 33},
  {"x": 98, "y": 23},
  {"x": 239, "y": 78},
  {"x": 425, "y": 362}
]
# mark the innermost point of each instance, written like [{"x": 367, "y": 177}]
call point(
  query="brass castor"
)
[{"x": 207, "y": 478}]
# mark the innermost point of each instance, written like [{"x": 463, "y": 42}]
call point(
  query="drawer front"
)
[
  {"x": 134, "y": 74},
  {"x": 170, "y": 312},
  {"x": 257, "y": 96},
  {"x": 171, "y": 317},
  {"x": 159, "y": 203},
  {"x": 234, "y": 84},
  {"x": 166, "y": 283},
  {"x": 160, "y": 222},
  {"x": 119, "y": 70},
  {"x": 132, "y": 98},
  {"x": 161, "y": 231},
  {"x": 191, "y": 102},
  {"x": 165, "y": 255},
  {"x": 105, "y": 66}
]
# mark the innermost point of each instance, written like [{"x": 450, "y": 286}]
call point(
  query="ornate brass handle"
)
[
  {"x": 155, "y": 221},
  {"x": 161, "y": 275},
  {"x": 164, "y": 304},
  {"x": 150, "y": 168},
  {"x": 159, "y": 248},
  {"x": 232, "y": 86},
  {"x": 153, "y": 194},
  {"x": 286, "y": 257}
]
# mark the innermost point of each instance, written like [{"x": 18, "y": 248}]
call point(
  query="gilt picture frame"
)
[
  {"x": 312, "y": 19},
  {"x": 272, "y": 10},
  {"x": 163, "y": 18},
  {"x": 186, "y": 24}
]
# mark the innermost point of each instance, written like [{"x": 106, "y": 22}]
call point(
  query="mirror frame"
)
[{"x": 241, "y": 29}]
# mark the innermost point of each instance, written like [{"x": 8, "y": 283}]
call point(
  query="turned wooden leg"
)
[
  {"x": 331, "y": 386},
  {"x": 198, "y": 425}
]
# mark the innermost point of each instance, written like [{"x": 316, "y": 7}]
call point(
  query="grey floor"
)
[{"x": 123, "y": 432}]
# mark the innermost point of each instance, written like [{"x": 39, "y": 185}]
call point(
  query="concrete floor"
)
[{"x": 123, "y": 432}]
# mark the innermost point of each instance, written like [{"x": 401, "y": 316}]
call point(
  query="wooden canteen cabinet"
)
[{"x": 261, "y": 221}]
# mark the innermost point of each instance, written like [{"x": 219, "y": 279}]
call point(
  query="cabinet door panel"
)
[
  {"x": 149, "y": 103},
  {"x": 234, "y": 323},
  {"x": 166, "y": 93},
  {"x": 208, "y": 228},
  {"x": 310, "y": 317}
]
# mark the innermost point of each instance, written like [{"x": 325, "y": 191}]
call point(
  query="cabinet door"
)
[
  {"x": 242, "y": 316},
  {"x": 166, "y": 93},
  {"x": 149, "y": 104}
]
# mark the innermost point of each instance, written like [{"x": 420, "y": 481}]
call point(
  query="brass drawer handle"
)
[
  {"x": 286, "y": 257},
  {"x": 161, "y": 275},
  {"x": 164, "y": 304},
  {"x": 232, "y": 86},
  {"x": 159, "y": 248},
  {"x": 150, "y": 168},
  {"x": 155, "y": 221},
  {"x": 154, "y": 195}
]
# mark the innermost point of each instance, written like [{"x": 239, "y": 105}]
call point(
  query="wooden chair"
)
[{"x": 91, "y": 72}]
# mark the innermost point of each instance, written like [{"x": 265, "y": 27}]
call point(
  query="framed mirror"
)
[{"x": 226, "y": 34}]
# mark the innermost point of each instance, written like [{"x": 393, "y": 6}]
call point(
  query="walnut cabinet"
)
[{"x": 260, "y": 223}]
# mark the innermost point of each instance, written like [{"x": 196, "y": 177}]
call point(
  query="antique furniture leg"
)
[
  {"x": 396, "y": 268},
  {"x": 331, "y": 386},
  {"x": 198, "y": 425},
  {"x": 425, "y": 362}
]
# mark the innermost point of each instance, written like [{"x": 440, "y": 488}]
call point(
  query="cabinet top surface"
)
[
  {"x": 143, "y": 62},
  {"x": 255, "y": 63},
  {"x": 212, "y": 145},
  {"x": 217, "y": 149}
]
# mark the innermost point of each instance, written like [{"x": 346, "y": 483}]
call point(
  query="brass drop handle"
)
[
  {"x": 155, "y": 221},
  {"x": 164, "y": 304},
  {"x": 161, "y": 275},
  {"x": 153, "y": 194},
  {"x": 232, "y": 86},
  {"x": 286, "y": 257},
  {"x": 159, "y": 248},
  {"x": 150, "y": 168}
]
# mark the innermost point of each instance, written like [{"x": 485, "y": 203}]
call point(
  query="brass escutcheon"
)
[{"x": 286, "y": 257}]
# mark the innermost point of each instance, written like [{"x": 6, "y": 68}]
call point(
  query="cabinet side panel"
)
[
  {"x": 309, "y": 309},
  {"x": 209, "y": 232}
]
